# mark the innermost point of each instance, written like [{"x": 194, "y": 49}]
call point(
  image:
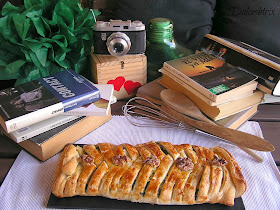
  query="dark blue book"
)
[{"x": 38, "y": 100}]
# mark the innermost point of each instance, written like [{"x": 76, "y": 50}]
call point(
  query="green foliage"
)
[{"x": 43, "y": 37}]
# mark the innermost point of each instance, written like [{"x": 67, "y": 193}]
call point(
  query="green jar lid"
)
[
  {"x": 160, "y": 29},
  {"x": 160, "y": 22}
]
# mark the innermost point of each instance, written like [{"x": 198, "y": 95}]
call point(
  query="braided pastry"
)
[{"x": 153, "y": 172}]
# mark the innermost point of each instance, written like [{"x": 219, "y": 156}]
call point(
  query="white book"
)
[
  {"x": 99, "y": 107},
  {"x": 40, "y": 127}
]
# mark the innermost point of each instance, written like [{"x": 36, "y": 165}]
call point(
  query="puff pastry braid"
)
[{"x": 153, "y": 172}]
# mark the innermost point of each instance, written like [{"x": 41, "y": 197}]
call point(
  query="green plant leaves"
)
[{"x": 43, "y": 37}]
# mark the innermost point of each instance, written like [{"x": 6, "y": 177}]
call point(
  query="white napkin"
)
[{"x": 28, "y": 183}]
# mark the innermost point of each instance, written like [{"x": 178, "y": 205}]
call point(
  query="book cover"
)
[
  {"x": 207, "y": 74},
  {"x": 215, "y": 112},
  {"x": 99, "y": 107},
  {"x": 41, "y": 127},
  {"x": 258, "y": 62},
  {"x": 38, "y": 100},
  {"x": 49, "y": 143},
  {"x": 235, "y": 94}
]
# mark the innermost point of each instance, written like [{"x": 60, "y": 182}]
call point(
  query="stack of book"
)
[
  {"x": 44, "y": 115},
  {"x": 151, "y": 91},
  {"x": 225, "y": 90}
]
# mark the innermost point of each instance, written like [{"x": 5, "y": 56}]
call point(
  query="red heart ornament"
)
[
  {"x": 131, "y": 86},
  {"x": 118, "y": 82}
]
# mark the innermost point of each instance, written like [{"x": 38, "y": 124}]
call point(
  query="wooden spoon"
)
[
  {"x": 176, "y": 104},
  {"x": 182, "y": 105}
]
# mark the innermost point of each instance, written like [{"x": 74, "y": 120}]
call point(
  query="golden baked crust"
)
[{"x": 153, "y": 172}]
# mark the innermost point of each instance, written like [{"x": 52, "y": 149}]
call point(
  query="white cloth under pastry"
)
[{"x": 28, "y": 183}]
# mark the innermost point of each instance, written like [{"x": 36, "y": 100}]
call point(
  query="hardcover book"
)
[
  {"x": 47, "y": 97},
  {"x": 99, "y": 107},
  {"x": 258, "y": 62},
  {"x": 49, "y": 143},
  {"x": 209, "y": 75}
]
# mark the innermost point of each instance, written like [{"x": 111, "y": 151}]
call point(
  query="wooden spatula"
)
[
  {"x": 176, "y": 105},
  {"x": 175, "y": 100}
]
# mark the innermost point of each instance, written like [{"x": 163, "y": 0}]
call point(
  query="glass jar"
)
[{"x": 161, "y": 46}]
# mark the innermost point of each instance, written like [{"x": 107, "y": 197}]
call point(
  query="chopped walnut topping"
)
[
  {"x": 184, "y": 164},
  {"x": 119, "y": 160},
  {"x": 219, "y": 161},
  {"x": 152, "y": 161},
  {"x": 86, "y": 159}
]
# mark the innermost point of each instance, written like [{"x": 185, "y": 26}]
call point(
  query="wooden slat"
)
[
  {"x": 8, "y": 148},
  {"x": 7, "y": 84},
  {"x": 5, "y": 164},
  {"x": 268, "y": 112},
  {"x": 271, "y": 132},
  {"x": 117, "y": 107}
]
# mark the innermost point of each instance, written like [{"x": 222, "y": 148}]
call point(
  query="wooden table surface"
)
[{"x": 268, "y": 117}]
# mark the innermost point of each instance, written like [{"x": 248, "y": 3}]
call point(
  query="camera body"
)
[{"x": 119, "y": 38}]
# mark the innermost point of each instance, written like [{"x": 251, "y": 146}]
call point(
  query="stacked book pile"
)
[
  {"x": 226, "y": 79},
  {"x": 44, "y": 115}
]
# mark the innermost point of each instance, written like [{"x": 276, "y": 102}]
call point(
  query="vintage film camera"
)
[{"x": 119, "y": 38}]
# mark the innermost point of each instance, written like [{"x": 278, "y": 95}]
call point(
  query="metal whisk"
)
[{"x": 143, "y": 113}]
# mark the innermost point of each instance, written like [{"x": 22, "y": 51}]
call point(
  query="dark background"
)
[{"x": 253, "y": 22}]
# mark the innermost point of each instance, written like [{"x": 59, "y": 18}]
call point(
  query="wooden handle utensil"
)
[{"x": 174, "y": 105}]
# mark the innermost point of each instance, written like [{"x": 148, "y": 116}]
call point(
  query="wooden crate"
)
[{"x": 126, "y": 73}]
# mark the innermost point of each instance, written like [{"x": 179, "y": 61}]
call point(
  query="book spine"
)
[
  {"x": 82, "y": 100},
  {"x": 189, "y": 82},
  {"x": 87, "y": 113},
  {"x": 41, "y": 127},
  {"x": 34, "y": 117},
  {"x": 267, "y": 73}
]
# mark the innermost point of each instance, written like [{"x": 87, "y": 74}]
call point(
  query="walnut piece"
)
[
  {"x": 219, "y": 161},
  {"x": 119, "y": 160},
  {"x": 184, "y": 164},
  {"x": 152, "y": 161},
  {"x": 86, "y": 159}
]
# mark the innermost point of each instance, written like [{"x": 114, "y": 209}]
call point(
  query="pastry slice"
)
[{"x": 153, "y": 172}]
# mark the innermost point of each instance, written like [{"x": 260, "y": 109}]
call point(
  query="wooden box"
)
[{"x": 126, "y": 73}]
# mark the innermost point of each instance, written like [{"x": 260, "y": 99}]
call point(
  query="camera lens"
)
[
  {"x": 118, "y": 48},
  {"x": 118, "y": 44}
]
